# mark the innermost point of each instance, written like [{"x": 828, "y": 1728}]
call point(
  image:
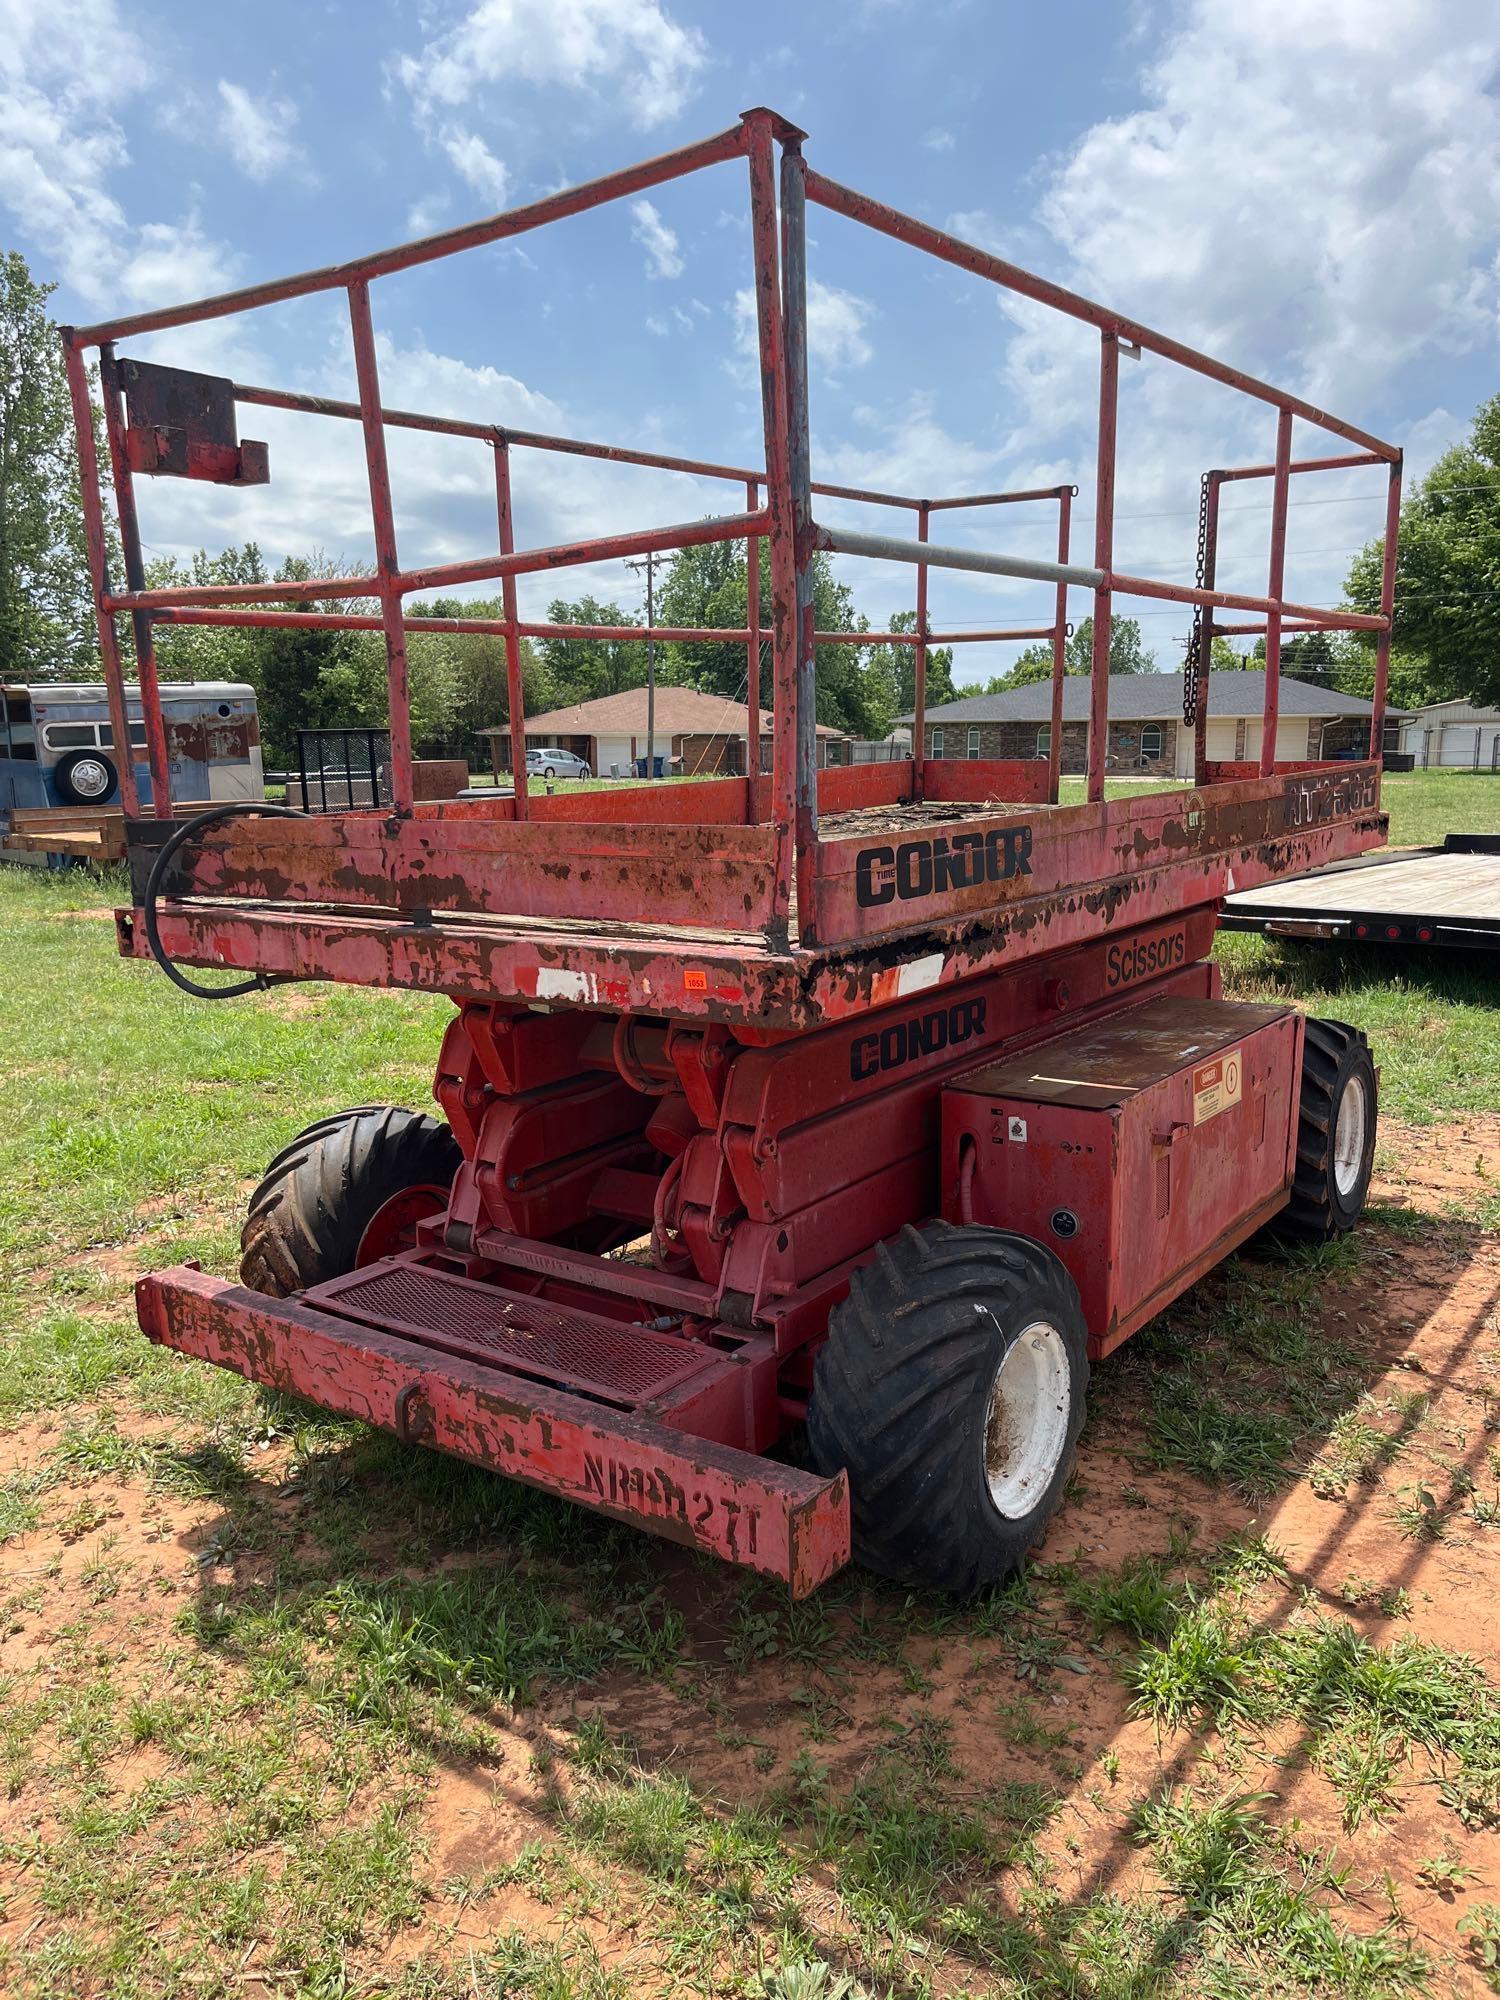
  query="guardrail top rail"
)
[{"x": 163, "y": 421}]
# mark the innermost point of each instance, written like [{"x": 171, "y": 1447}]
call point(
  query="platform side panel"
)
[
  {"x": 755, "y": 1512},
  {"x": 712, "y": 875},
  {"x": 871, "y": 883}
]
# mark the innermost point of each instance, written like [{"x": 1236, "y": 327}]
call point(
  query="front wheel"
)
[
  {"x": 347, "y": 1190},
  {"x": 952, "y": 1388},
  {"x": 1335, "y": 1134}
]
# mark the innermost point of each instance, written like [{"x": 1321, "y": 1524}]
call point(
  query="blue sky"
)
[{"x": 1309, "y": 188}]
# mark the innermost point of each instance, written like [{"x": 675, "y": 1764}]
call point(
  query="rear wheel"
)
[
  {"x": 952, "y": 1388},
  {"x": 1335, "y": 1134},
  {"x": 350, "y": 1188}
]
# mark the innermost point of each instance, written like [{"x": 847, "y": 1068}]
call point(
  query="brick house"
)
[
  {"x": 1146, "y": 731},
  {"x": 696, "y": 733}
]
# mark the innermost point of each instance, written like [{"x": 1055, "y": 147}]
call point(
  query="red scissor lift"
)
[{"x": 877, "y": 1099}]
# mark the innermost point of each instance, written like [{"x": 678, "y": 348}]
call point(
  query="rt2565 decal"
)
[{"x": 931, "y": 867}]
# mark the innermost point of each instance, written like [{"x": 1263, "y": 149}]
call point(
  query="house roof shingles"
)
[
  {"x": 1147, "y": 698},
  {"x": 680, "y": 711}
]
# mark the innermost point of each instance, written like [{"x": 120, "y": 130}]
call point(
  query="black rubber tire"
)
[
  {"x": 901, "y": 1395},
  {"x": 62, "y": 777},
  {"x": 317, "y": 1196},
  {"x": 1333, "y": 1054}
]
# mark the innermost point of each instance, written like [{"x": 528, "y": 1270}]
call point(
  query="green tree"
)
[
  {"x": 1127, "y": 655},
  {"x": 1447, "y": 614},
  {"x": 460, "y": 682},
  {"x": 209, "y": 652},
  {"x": 583, "y": 669},
  {"x": 891, "y": 675},
  {"x": 47, "y": 629},
  {"x": 308, "y": 677},
  {"x": 708, "y": 586}
]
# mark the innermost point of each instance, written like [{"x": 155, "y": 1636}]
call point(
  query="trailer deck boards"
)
[{"x": 1431, "y": 895}]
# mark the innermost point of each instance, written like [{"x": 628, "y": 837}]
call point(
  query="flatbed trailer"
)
[
  {"x": 873, "y": 1102},
  {"x": 1413, "y": 896}
]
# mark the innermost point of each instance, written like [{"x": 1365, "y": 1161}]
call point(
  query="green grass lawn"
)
[{"x": 288, "y": 1709}]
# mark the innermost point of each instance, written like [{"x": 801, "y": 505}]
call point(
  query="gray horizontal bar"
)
[{"x": 900, "y": 548}]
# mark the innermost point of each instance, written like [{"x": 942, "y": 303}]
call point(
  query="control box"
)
[{"x": 1140, "y": 1150}]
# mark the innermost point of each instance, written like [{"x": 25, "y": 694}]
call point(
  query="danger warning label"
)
[{"x": 1216, "y": 1085}]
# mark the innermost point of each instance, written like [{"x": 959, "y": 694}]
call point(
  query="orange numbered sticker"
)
[{"x": 1216, "y": 1085}]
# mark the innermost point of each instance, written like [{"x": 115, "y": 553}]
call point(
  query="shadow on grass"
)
[{"x": 427, "y": 1599}]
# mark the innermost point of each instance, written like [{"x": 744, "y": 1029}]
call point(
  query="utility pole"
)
[{"x": 648, "y": 564}]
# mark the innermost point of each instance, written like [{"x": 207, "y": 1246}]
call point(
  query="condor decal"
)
[
  {"x": 919, "y": 1035},
  {"x": 1143, "y": 957},
  {"x": 931, "y": 867}
]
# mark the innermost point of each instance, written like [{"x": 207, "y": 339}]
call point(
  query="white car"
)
[{"x": 554, "y": 763}]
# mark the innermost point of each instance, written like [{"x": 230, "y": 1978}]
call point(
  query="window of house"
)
[
  {"x": 1151, "y": 742},
  {"x": 1044, "y": 740},
  {"x": 973, "y": 742},
  {"x": 937, "y": 743}
]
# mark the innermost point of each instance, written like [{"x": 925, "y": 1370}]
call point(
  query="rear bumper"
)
[{"x": 767, "y": 1517}]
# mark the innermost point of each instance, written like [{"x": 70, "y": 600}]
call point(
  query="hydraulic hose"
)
[{"x": 258, "y": 981}]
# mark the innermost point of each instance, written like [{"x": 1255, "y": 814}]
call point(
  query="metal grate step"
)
[{"x": 629, "y": 1365}]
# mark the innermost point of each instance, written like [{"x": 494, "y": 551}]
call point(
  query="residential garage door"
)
[{"x": 1220, "y": 741}]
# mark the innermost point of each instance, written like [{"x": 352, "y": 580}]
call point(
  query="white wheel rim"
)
[
  {"x": 1349, "y": 1135},
  {"x": 1026, "y": 1424},
  {"x": 90, "y": 777}
]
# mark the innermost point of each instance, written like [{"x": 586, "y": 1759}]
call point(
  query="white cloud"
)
[
  {"x": 443, "y": 488},
  {"x": 67, "y": 69},
  {"x": 259, "y": 131},
  {"x": 939, "y": 140},
  {"x": 663, "y": 257},
  {"x": 1311, "y": 192},
  {"x": 176, "y": 261},
  {"x": 1360, "y": 227},
  {"x": 836, "y": 322},
  {"x": 426, "y": 215},
  {"x": 635, "y": 49},
  {"x": 471, "y": 157}
]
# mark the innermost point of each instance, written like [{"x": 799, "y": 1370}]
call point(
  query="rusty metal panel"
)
[
  {"x": 765, "y": 1516},
  {"x": 750, "y": 986},
  {"x": 868, "y": 885},
  {"x": 1019, "y": 781},
  {"x": 1140, "y": 1149},
  {"x": 674, "y": 874},
  {"x": 183, "y": 424}
]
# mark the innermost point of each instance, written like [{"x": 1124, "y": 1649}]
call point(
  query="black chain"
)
[{"x": 1195, "y": 664}]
